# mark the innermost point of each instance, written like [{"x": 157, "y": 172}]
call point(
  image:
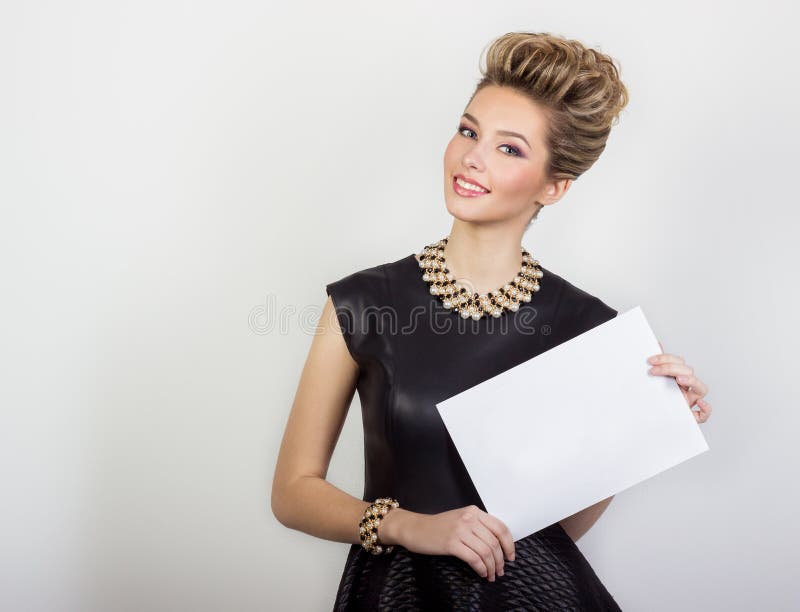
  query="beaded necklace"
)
[{"x": 471, "y": 304}]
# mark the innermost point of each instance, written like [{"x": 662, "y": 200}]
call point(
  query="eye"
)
[
  {"x": 461, "y": 129},
  {"x": 515, "y": 150}
]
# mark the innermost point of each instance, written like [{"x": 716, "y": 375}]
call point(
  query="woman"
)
[{"x": 421, "y": 537}]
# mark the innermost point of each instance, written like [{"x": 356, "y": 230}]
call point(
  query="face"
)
[{"x": 499, "y": 144}]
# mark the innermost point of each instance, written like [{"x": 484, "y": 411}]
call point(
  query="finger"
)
[
  {"x": 704, "y": 412},
  {"x": 665, "y": 358},
  {"x": 696, "y": 385},
  {"x": 475, "y": 561},
  {"x": 692, "y": 387},
  {"x": 502, "y": 532},
  {"x": 671, "y": 369},
  {"x": 487, "y": 536},
  {"x": 482, "y": 549}
]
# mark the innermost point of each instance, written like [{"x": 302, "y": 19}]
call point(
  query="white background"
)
[{"x": 179, "y": 181}]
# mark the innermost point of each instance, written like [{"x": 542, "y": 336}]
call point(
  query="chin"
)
[{"x": 463, "y": 211}]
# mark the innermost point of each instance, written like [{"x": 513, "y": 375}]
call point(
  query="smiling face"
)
[{"x": 500, "y": 147}]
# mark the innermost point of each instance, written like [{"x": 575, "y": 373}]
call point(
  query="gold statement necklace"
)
[{"x": 471, "y": 304}]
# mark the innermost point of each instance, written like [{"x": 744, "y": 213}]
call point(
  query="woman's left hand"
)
[{"x": 693, "y": 388}]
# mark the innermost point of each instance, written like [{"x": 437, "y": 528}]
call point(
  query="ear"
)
[{"x": 554, "y": 191}]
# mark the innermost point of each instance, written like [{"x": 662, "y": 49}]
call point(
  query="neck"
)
[{"x": 483, "y": 259}]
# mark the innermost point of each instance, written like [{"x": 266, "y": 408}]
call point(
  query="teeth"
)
[{"x": 470, "y": 186}]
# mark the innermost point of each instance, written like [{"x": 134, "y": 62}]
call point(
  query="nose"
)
[{"x": 472, "y": 158}]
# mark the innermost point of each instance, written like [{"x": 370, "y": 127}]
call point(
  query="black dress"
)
[{"x": 412, "y": 353}]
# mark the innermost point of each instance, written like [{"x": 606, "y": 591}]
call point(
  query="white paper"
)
[{"x": 572, "y": 426}]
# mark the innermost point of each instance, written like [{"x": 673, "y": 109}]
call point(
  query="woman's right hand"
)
[{"x": 468, "y": 533}]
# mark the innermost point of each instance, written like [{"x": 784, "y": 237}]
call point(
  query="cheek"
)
[
  {"x": 513, "y": 181},
  {"x": 451, "y": 153}
]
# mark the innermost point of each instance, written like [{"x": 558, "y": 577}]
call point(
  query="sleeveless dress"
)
[{"x": 412, "y": 353}]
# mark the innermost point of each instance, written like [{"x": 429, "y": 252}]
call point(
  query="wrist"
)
[{"x": 393, "y": 526}]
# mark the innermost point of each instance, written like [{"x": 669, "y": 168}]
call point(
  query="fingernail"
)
[
  {"x": 501, "y": 572},
  {"x": 652, "y": 359},
  {"x": 682, "y": 378}
]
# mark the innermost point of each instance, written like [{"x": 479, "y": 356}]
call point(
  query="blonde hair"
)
[{"x": 579, "y": 90}]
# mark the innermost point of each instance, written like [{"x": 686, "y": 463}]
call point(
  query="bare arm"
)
[
  {"x": 301, "y": 497},
  {"x": 579, "y": 523}
]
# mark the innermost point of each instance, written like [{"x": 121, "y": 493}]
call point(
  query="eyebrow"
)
[{"x": 502, "y": 132}]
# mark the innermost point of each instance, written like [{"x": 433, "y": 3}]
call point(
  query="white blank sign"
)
[{"x": 572, "y": 426}]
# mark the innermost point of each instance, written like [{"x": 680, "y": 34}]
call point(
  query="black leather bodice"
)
[{"x": 413, "y": 353}]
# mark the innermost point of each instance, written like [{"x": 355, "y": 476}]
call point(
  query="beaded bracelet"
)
[{"x": 368, "y": 526}]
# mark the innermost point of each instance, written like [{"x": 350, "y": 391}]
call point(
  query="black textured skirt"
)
[{"x": 549, "y": 572}]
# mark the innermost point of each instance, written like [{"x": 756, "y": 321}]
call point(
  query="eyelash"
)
[{"x": 517, "y": 152}]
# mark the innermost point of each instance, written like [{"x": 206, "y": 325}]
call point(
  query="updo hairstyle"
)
[{"x": 579, "y": 90}]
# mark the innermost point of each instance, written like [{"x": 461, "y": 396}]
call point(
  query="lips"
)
[
  {"x": 466, "y": 192},
  {"x": 470, "y": 181}
]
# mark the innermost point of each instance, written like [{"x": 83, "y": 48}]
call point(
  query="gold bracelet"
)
[{"x": 368, "y": 526}]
